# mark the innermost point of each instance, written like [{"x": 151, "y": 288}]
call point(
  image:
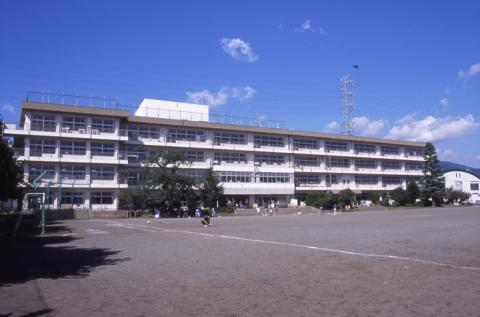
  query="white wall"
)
[
  {"x": 172, "y": 110},
  {"x": 460, "y": 180}
]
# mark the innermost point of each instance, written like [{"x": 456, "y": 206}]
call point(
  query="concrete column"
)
[{"x": 27, "y": 147}]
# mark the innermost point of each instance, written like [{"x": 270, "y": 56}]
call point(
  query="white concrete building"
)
[
  {"x": 464, "y": 181},
  {"x": 87, "y": 152}
]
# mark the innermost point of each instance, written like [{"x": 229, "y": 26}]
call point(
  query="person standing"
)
[{"x": 334, "y": 209}]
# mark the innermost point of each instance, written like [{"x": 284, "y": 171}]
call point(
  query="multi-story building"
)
[{"x": 87, "y": 152}]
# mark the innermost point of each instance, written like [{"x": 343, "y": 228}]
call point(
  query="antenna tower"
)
[{"x": 346, "y": 102}]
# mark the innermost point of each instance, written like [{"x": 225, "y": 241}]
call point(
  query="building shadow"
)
[{"x": 31, "y": 257}]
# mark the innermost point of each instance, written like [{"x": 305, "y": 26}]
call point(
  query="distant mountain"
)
[{"x": 448, "y": 166}]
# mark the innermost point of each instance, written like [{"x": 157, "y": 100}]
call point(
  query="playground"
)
[{"x": 411, "y": 262}]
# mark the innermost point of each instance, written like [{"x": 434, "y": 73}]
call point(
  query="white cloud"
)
[
  {"x": 238, "y": 49},
  {"x": 307, "y": 27},
  {"x": 444, "y": 102},
  {"x": 473, "y": 70},
  {"x": 477, "y": 157},
  {"x": 220, "y": 97},
  {"x": 447, "y": 154},
  {"x": 8, "y": 108},
  {"x": 333, "y": 126},
  {"x": 367, "y": 127},
  {"x": 430, "y": 128}
]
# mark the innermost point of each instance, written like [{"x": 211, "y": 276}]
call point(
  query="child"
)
[{"x": 206, "y": 221}]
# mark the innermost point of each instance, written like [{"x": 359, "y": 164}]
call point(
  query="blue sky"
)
[{"x": 418, "y": 76}]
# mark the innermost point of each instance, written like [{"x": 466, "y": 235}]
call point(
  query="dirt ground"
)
[{"x": 417, "y": 262}]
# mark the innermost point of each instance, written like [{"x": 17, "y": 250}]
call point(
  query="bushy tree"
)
[
  {"x": 321, "y": 199},
  {"x": 413, "y": 192},
  {"x": 11, "y": 171},
  {"x": 211, "y": 191},
  {"x": 433, "y": 184},
  {"x": 453, "y": 196},
  {"x": 400, "y": 196},
  {"x": 375, "y": 198},
  {"x": 346, "y": 197}
]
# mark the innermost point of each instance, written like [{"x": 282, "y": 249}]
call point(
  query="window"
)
[
  {"x": 265, "y": 140},
  {"x": 338, "y": 162},
  {"x": 269, "y": 159},
  {"x": 73, "y": 148},
  {"x": 194, "y": 156},
  {"x": 306, "y": 161},
  {"x": 102, "y": 173},
  {"x": 72, "y": 172},
  {"x": 229, "y": 138},
  {"x": 102, "y": 149},
  {"x": 234, "y": 177},
  {"x": 363, "y": 148},
  {"x": 366, "y": 179},
  {"x": 229, "y": 157},
  {"x": 390, "y": 165},
  {"x": 72, "y": 198},
  {"x": 38, "y": 147},
  {"x": 305, "y": 144},
  {"x": 102, "y": 198},
  {"x": 274, "y": 177},
  {"x": 410, "y": 151},
  {"x": 413, "y": 166},
  {"x": 360, "y": 164},
  {"x": 307, "y": 179},
  {"x": 35, "y": 170},
  {"x": 473, "y": 186},
  {"x": 134, "y": 154},
  {"x": 331, "y": 179},
  {"x": 103, "y": 125},
  {"x": 389, "y": 150},
  {"x": 197, "y": 175},
  {"x": 174, "y": 135},
  {"x": 146, "y": 132},
  {"x": 73, "y": 124},
  {"x": 391, "y": 180},
  {"x": 336, "y": 146},
  {"x": 43, "y": 122}
]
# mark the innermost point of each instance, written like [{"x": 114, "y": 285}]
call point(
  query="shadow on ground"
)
[{"x": 31, "y": 257}]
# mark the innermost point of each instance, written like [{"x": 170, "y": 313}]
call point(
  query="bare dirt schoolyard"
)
[{"x": 418, "y": 262}]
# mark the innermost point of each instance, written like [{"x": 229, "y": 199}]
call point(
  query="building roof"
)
[{"x": 48, "y": 107}]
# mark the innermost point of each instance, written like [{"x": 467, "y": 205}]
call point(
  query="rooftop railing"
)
[{"x": 114, "y": 104}]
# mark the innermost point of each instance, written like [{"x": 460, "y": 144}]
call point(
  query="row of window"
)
[
  {"x": 316, "y": 179},
  {"x": 47, "y": 122},
  {"x": 78, "y": 198},
  {"x": 70, "y": 172},
  {"x": 38, "y": 147}
]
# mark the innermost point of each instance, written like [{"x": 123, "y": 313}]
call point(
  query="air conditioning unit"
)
[
  {"x": 95, "y": 132},
  {"x": 215, "y": 161},
  {"x": 65, "y": 130},
  {"x": 81, "y": 131}
]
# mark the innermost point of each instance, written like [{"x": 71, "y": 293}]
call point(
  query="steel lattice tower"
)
[{"x": 346, "y": 103}]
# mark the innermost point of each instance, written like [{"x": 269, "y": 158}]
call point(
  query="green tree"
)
[
  {"x": 346, "y": 197},
  {"x": 321, "y": 199},
  {"x": 458, "y": 196},
  {"x": 211, "y": 191},
  {"x": 163, "y": 186},
  {"x": 413, "y": 192},
  {"x": 400, "y": 196},
  {"x": 11, "y": 171},
  {"x": 374, "y": 197},
  {"x": 433, "y": 184}
]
